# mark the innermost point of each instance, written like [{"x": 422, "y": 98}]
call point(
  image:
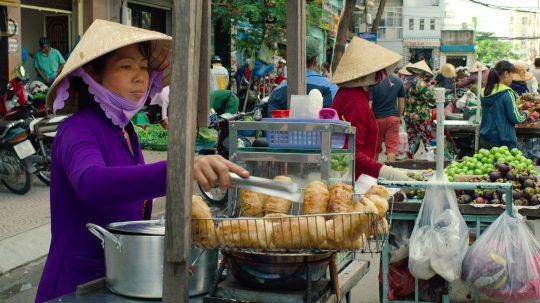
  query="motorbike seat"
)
[{"x": 6, "y": 125}]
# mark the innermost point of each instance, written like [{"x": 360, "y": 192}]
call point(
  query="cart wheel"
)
[{"x": 215, "y": 196}]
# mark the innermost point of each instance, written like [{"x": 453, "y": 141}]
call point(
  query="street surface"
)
[{"x": 24, "y": 223}]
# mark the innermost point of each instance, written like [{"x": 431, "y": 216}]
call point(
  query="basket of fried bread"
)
[{"x": 327, "y": 220}]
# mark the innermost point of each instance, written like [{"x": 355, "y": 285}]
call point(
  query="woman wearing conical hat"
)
[
  {"x": 420, "y": 101},
  {"x": 523, "y": 80},
  {"x": 98, "y": 174},
  {"x": 364, "y": 64}
]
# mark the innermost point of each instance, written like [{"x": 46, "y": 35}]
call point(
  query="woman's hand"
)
[{"x": 212, "y": 169}]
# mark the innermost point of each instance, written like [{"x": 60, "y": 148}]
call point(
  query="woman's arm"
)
[{"x": 511, "y": 110}]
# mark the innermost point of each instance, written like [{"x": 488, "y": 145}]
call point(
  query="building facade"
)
[
  {"x": 390, "y": 31},
  {"x": 457, "y": 46},
  {"x": 522, "y": 26},
  {"x": 422, "y": 24},
  {"x": 64, "y": 21}
]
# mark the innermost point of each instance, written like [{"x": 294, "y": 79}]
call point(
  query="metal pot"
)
[{"x": 134, "y": 259}]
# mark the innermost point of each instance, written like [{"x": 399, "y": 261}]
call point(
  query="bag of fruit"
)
[
  {"x": 440, "y": 236},
  {"x": 504, "y": 262}
]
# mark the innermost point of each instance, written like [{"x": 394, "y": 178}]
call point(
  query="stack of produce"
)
[
  {"x": 484, "y": 162},
  {"x": 497, "y": 165},
  {"x": 525, "y": 192},
  {"x": 153, "y": 137},
  {"x": 530, "y": 103}
]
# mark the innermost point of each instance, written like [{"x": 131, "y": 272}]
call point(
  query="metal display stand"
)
[{"x": 477, "y": 219}]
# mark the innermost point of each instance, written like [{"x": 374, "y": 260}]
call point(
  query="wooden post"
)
[
  {"x": 296, "y": 48},
  {"x": 182, "y": 115},
  {"x": 203, "y": 103}
]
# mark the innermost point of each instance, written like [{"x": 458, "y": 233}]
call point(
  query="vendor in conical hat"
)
[
  {"x": 364, "y": 64},
  {"x": 420, "y": 100},
  {"x": 470, "y": 81},
  {"x": 98, "y": 174},
  {"x": 523, "y": 80},
  {"x": 446, "y": 78},
  {"x": 405, "y": 76}
]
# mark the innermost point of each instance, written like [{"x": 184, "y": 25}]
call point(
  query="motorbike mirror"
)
[{"x": 22, "y": 71}]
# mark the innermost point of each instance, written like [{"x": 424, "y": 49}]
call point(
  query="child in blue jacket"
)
[{"x": 499, "y": 110}]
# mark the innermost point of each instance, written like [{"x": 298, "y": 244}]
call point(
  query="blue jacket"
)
[
  {"x": 499, "y": 116},
  {"x": 278, "y": 97}
]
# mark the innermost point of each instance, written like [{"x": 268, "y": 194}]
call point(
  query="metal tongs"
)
[{"x": 289, "y": 191}]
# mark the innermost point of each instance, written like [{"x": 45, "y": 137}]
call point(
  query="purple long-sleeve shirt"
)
[{"x": 94, "y": 179}]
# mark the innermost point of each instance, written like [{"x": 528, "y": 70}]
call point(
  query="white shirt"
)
[{"x": 162, "y": 99}]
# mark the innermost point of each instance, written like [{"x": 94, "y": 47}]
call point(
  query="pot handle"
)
[{"x": 100, "y": 232}]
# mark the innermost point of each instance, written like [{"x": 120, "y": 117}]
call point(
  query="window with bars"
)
[
  {"x": 391, "y": 26},
  {"x": 421, "y": 26},
  {"x": 411, "y": 24},
  {"x": 432, "y": 24}
]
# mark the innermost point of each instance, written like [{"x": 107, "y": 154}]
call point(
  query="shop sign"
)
[
  {"x": 326, "y": 16},
  {"x": 422, "y": 43},
  {"x": 13, "y": 45}
]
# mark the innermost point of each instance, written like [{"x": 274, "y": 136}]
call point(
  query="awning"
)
[
  {"x": 457, "y": 48},
  {"x": 12, "y": 3}
]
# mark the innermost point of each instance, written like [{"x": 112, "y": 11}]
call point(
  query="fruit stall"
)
[{"x": 428, "y": 248}]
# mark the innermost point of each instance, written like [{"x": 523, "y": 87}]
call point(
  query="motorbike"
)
[
  {"x": 15, "y": 149},
  {"x": 39, "y": 125}
]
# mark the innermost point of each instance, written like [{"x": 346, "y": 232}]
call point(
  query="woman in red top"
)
[{"x": 364, "y": 64}]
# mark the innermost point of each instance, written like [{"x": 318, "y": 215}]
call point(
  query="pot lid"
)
[{"x": 145, "y": 227}]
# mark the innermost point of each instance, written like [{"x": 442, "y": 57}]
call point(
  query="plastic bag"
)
[
  {"x": 398, "y": 240},
  {"x": 403, "y": 139},
  {"x": 400, "y": 280},
  {"x": 504, "y": 262},
  {"x": 439, "y": 240}
]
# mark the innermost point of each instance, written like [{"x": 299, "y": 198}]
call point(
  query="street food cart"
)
[{"x": 189, "y": 83}]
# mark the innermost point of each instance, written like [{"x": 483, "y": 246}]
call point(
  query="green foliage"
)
[
  {"x": 492, "y": 50},
  {"x": 154, "y": 134},
  {"x": 262, "y": 20}
]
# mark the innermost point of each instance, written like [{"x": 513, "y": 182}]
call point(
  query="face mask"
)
[{"x": 117, "y": 108}]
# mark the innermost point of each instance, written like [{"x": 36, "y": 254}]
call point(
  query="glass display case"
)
[{"x": 304, "y": 150}]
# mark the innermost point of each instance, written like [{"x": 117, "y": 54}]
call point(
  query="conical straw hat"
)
[
  {"x": 404, "y": 70},
  {"x": 520, "y": 73},
  {"x": 474, "y": 67},
  {"x": 420, "y": 66},
  {"x": 361, "y": 60},
  {"x": 103, "y": 37},
  {"x": 448, "y": 71}
]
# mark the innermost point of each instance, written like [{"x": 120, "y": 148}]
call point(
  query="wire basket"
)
[{"x": 286, "y": 233}]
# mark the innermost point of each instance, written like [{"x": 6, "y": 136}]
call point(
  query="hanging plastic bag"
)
[
  {"x": 439, "y": 240},
  {"x": 504, "y": 262},
  {"x": 403, "y": 139},
  {"x": 398, "y": 240}
]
